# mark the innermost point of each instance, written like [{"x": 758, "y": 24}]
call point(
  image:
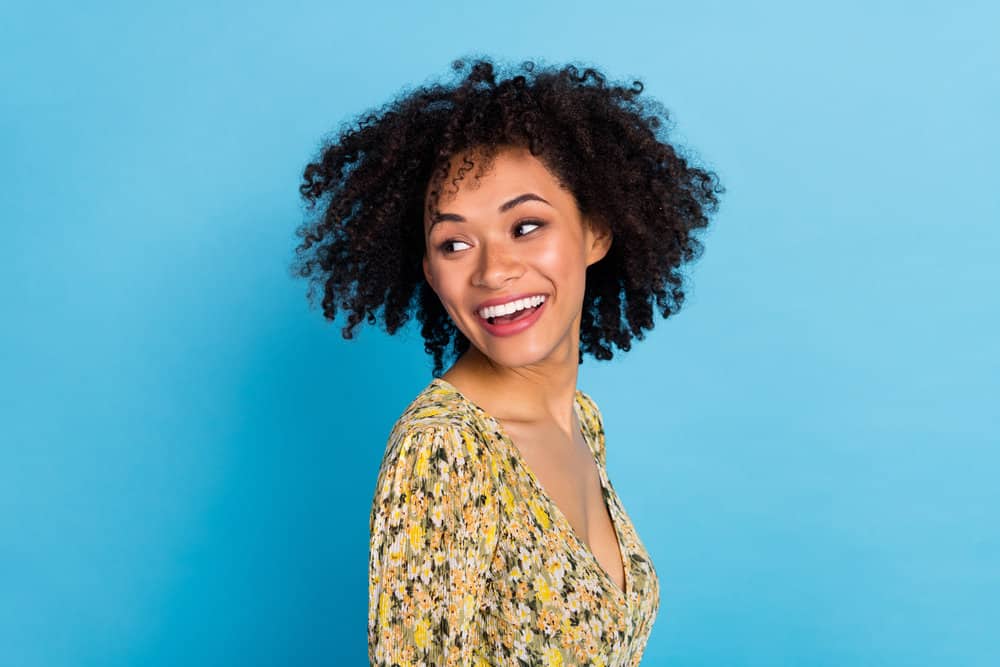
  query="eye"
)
[
  {"x": 535, "y": 223},
  {"x": 445, "y": 248}
]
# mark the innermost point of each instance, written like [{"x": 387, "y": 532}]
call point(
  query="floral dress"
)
[{"x": 472, "y": 563}]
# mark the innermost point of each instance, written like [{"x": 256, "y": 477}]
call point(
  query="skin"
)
[{"x": 526, "y": 381}]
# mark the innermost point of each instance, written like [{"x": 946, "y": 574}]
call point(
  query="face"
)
[{"x": 515, "y": 234}]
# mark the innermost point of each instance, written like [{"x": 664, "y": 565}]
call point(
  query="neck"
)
[{"x": 522, "y": 395}]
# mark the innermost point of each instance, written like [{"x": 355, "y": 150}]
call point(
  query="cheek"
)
[
  {"x": 447, "y": 285},
  {"x": 562, "y": 262}
]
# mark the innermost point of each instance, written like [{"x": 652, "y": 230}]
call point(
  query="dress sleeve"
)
[{"x": 434, "y": 528}]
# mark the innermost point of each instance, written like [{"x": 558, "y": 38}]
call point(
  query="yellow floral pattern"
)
[{"x": 472, "y": 563}]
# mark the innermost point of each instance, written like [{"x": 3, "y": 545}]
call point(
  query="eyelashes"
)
[{"x": 444, "y": 245}]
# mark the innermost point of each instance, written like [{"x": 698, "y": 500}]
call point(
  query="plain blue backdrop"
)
[{"x": 189, "y": 451}]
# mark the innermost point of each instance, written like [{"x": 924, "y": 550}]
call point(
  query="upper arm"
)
[{"x": 434, "y": 529}]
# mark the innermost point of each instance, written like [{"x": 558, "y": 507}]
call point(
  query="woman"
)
[{"x": 519, "y": 218}]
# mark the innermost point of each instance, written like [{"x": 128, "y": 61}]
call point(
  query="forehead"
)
[{"x": 485, "y": 182}]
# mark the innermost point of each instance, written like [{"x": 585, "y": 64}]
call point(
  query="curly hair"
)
[{"x": 598, "y": 139}]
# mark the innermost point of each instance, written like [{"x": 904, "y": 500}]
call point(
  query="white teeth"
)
[{"x": 511, "y": 307}]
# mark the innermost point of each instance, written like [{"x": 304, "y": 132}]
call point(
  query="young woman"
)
[{"x": 526, "y": 221}]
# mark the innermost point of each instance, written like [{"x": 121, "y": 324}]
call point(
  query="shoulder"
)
[
  {"x": 434, "y": 451},
  {"x": 436, "y": 427},
  {"x": 593, "y": 421},
  {"x": 434, "y": 408},
  {"x": 435, "y": 415},
  {"x": 592, "y": 412}
]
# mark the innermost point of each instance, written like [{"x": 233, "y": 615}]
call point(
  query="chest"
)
[{"x": 568, "y": 474}]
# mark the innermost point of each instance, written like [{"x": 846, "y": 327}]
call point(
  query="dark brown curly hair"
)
[{"x": 598, "y": 139}]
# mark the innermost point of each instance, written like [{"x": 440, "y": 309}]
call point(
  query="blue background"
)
[{"x": 810, "y": 449}]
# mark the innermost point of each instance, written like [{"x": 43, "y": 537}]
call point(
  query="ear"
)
[{"x": 599, "y": 238}]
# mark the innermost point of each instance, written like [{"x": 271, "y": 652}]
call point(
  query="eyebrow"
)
[{"x": 504, "y": 207}]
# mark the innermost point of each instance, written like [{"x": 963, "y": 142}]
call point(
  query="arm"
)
[{"x": 433, "y": 532}]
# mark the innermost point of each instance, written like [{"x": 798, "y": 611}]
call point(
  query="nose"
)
[{"x": 498, "y": 263}]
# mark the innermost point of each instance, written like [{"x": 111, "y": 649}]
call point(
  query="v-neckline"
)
[{"x": 540, "y": 490}]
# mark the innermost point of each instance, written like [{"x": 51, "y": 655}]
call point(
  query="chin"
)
[{"x": 510, "y": 354}]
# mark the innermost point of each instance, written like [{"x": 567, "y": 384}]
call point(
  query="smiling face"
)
[{"x": 513, "y": 235}]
